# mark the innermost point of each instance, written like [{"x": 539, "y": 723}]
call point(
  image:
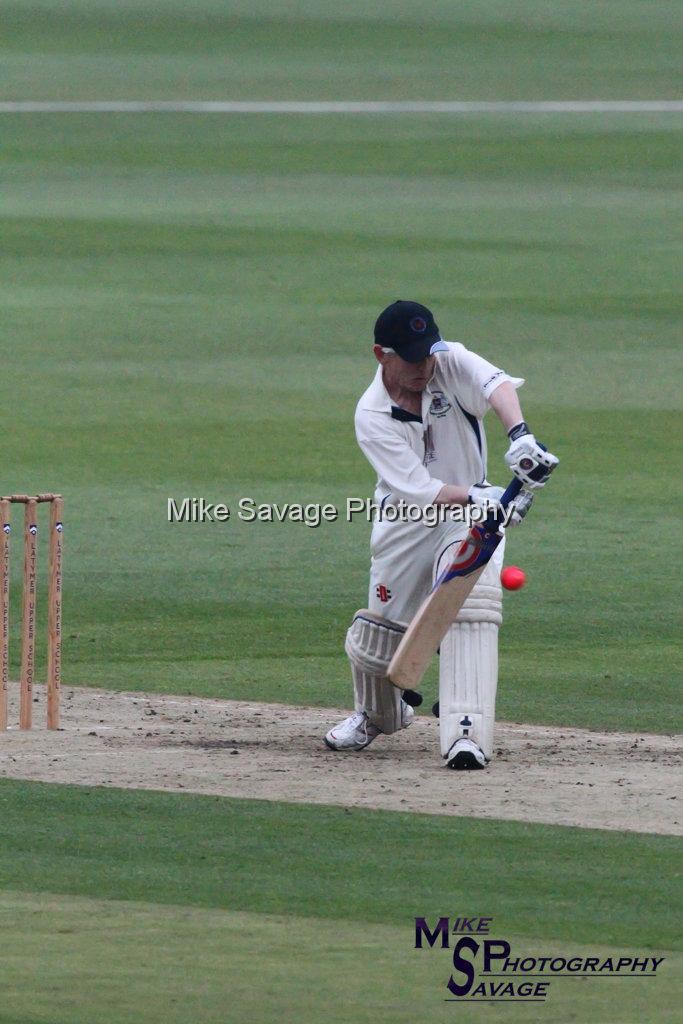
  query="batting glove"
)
[
  {"x": 488, "y": 498},
  {"x": 529, "y": 460}
]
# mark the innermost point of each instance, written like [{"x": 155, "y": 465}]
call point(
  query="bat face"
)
[{"x": 428, "y": 628}]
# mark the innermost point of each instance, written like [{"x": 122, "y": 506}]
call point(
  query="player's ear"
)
[{"x": 380, "y": 355}]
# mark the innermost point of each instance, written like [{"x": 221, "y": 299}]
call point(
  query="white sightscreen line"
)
[{"x": 340, "y": 106}]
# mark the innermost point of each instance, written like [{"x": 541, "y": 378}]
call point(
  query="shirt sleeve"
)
[
  {"x": 399, "y": 467},
  {"x": 475, "y": 378}
]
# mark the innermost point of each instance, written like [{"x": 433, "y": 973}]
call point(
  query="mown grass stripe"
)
[{"x": 318, "y": 861}]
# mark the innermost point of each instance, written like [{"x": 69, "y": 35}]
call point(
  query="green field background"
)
[
  {"x": 187, "y": 310},
  {"x": 179, "y": 908},
  {"x": 319, "y": 49}
]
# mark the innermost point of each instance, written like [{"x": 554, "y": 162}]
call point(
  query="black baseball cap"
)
[{"x": 409, "y": 328}]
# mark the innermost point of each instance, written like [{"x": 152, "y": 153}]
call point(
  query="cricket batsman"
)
[{"x": 420, "y": 425}]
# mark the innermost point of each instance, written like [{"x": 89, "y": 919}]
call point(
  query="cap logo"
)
[{"x": 418, "y": 324}]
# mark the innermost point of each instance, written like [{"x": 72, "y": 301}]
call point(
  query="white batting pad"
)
[
  {"x": 370, "y": 644},
  {"x": 468, "y": 667}
]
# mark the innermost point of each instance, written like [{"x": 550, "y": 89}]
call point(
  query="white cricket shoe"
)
[
  {"x": 465, "y": 755},
  {"x": 357, "y": 731}
]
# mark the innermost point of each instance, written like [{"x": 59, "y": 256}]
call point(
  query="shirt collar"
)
[{"x": 376, "y": 398}]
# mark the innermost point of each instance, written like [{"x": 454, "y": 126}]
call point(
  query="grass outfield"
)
[
  {"x": 264, "y": 857},
  {"x": 87, "y": 961},
  {"x": 188, "y": 303},
  {"x": 247, "y": 910},
  {"x": 258, "y": 49}
]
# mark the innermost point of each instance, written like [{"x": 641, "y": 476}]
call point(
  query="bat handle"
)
[
  {"x": 508, "y": 495},
  {"x": 511, "y": 492}
]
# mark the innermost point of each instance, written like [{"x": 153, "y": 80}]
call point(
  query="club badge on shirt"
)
[{"x": 440, "y": 404}]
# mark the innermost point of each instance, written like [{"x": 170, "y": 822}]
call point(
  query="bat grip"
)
[{"x": 508, "y": 495}]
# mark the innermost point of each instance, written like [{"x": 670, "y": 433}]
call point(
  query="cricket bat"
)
[{"x": 430, "y": 624}]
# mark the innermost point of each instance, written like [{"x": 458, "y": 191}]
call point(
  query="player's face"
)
[{"x": 399, "y": 374}]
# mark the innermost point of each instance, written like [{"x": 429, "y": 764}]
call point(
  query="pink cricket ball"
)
[{"x": 512, "y": 577}]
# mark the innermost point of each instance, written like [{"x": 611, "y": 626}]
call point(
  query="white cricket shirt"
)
[{"x": 415, "y": 456}]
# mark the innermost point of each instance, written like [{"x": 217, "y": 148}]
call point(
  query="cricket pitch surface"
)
[{"x": 560, "y": 776}]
